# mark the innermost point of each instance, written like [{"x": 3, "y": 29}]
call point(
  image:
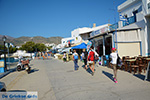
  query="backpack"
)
[
  {"x": 89, "y": 58},
  {"x": 75, "y": 56},
  {"x": 83, "y": 56},
  {"x": 119, "y": 61}
]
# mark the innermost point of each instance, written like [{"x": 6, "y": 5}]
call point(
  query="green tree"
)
[
  {"x": 29, "y": 46},
  {"x": 32, "y": 47},
  {"x": 50, "y": 47},
  {"x": 12, "y": 49},
  {"x": 40, "y": 47}
]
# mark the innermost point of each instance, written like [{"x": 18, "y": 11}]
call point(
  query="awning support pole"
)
[{"x": 103, "y": 45}]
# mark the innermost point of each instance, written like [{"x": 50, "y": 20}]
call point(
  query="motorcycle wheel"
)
[{"x": 18, "y": 68}]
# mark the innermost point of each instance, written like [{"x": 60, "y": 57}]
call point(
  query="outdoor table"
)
[
  {"x": 147, "y": 59},
  {"x": 130, "y": 61}
]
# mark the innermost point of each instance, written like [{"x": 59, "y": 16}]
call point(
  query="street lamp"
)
[{"x": 5, "y": 66}]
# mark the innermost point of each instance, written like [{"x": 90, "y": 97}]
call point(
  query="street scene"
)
[
  {"x": 55, "y": 80},
  {"x": 74, "y": 50}
]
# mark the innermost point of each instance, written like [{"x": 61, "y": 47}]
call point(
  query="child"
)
[{"x": 64, "y": 57}]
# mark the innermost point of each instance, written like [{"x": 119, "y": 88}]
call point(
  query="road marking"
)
[{"x": 12, "y": 83}]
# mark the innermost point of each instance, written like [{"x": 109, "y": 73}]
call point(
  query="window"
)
[{"x": 148, "y": 5}]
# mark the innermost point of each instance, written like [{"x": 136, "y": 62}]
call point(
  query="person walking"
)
[
  {"x": 91, "y": 59},
  {"x": 75, "y": 59},
  {"x": 96, "y": 57},
  {"x": 84, "y": 57},
  {"x": 113, "y": 63},
  {"x": 64, "y": 57}
]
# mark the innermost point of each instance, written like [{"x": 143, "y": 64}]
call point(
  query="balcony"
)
[{"x": 129, "y": 21}]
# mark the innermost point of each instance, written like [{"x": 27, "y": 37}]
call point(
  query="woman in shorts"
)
[
  {"x": 91, "y": 59},
  {"x": 113, "y": 63}
]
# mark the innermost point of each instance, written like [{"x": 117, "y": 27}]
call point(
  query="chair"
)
[
  {"x": 145, "y": 63},
  {"x": 134, "y": 65},
  {"x": 126, "y": 64},
  {"x": 142, "y": 64},
  {"x": 123, "y": 63}
]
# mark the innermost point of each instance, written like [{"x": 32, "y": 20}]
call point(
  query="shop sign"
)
[
  {"x": 89, "y": 44},
  {"x": 71, "y": 40},
  {"x": 100, "y": 31},
  {"x": 1, "y": 63}
]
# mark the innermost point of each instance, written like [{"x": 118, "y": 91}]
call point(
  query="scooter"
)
[{"x": 23, "y": 64}]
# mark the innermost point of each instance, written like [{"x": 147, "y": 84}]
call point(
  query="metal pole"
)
[
  {"x": 113, "y": 40},
  {"x": 116, "y": 37},
  {"x": 5, "y": 65},
  {"x": 8, "y": 56},
  {"x": 103, "y": 45}
]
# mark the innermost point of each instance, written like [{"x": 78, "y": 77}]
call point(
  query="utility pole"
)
[{"x": 115, "y": 32}]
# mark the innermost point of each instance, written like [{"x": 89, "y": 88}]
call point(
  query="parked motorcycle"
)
[{"x": 23, "y": 64}]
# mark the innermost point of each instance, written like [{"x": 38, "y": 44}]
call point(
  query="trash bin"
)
[{"x": 1, "y": 66}]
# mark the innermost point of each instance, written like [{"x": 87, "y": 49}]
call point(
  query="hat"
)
[{"x": 113, "y": 49}]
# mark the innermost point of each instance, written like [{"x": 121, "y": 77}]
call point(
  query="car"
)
[{"x": 2, "y": 87}]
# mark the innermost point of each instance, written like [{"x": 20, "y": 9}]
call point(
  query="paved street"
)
[{"x": 56, "y": 80}]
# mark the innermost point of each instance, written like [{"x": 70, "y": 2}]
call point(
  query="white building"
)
[
  {"x": 137, "y": 16},
  {"x": 64, "y": 41},
  {"x": 50, "y": 44},
  {"x": 81, "y": 34},
  {"x": 77, "y": 36}
]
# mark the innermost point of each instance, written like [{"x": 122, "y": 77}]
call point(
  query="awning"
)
[
  {"x": 80, "y": 46},
  {"x": 66, "y": 50},
  {"x": 109, "y": 32}
]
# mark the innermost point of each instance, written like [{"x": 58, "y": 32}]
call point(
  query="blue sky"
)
[{"x": 50, "y": 18}]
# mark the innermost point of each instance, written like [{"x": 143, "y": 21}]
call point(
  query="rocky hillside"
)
[{"x": 38, "y": 39}]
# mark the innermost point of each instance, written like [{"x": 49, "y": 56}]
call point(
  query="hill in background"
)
[{"x": 38, "y": 39}]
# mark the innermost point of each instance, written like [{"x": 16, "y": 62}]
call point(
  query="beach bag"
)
[
  {"x": 119, "y": 61},
  {"x": 96, "y": 57},
  {"x": 90, "y": 62},
  {"x": 83, "y": 56},
  {"x": 75, "y": 56}
]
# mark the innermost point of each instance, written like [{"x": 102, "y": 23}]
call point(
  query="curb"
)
[{"x": 6, "y": 73}]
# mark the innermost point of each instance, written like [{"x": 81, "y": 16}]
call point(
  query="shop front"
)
[
  {"x": 127, "y": 42},
  {"x": 102, "y": 42}
]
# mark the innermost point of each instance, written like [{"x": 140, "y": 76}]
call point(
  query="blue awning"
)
[{"x": 80, "y": 46}]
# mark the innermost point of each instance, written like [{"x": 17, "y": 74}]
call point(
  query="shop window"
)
[{"x": 148, "y": 5}]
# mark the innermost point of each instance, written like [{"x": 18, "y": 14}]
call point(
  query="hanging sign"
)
[
  {"x": 1, "y": 63},
  {"x": 99, "y": 31},
  {"x": 89, "y": 44}
]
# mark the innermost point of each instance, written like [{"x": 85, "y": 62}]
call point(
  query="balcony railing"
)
[
  {"x": 129, "y": 21},
  {"x": 113, "y": 27}
]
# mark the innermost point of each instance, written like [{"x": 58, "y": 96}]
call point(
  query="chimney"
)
[{"x": 94, "y": 25}]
